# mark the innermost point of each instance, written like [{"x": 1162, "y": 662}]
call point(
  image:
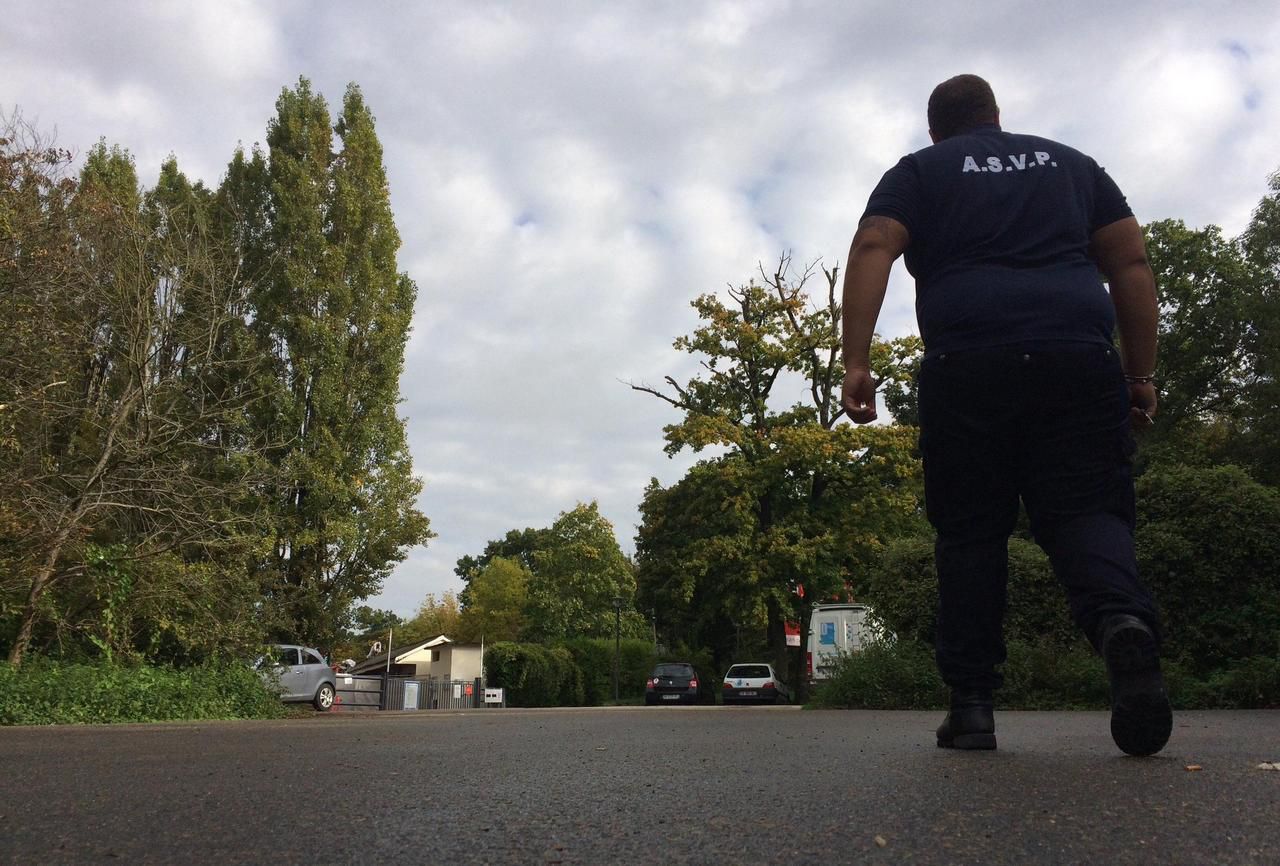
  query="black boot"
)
[
  {"x": 971, "y": 723},
  {"x": 1141, "y": 718}
]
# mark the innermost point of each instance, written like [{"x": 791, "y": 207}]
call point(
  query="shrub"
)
[
  {"x": 1252, "y": 683},
  {"x": 903, "y": 676},
  {"x": 1037, "y": 676},
  {"x": 45, "y": 691},
  {"x": 1209, "y": 548},
  {"x": 635, "y": 664},
  {"x": 567, "y": 676},
  {"x": 594, "y": 657},
  {"x": 534, "y": 675},
  {"x": 884, "y": 676},
  {"x": 903, "y": 590},
  {"x": 1048, "y": 676}
]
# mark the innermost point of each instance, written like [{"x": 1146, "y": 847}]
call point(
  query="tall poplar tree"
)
[{"x": 332, "y": 318}]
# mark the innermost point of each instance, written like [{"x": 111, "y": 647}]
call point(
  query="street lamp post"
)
[{"x": 617, "y": 641}]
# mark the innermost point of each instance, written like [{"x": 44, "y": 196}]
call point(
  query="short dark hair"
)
[{"x": 959, "y": 104}]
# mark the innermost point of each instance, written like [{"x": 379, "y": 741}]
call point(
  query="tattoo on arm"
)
[
  {"x": 878, "y": 224},
  {"x": 882, "y": 231}
]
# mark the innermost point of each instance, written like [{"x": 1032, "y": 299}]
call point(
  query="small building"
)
[{"x": 436, "y": 659}]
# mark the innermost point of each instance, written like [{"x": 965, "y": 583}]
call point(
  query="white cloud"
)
[{"x": 567, "y": 177}]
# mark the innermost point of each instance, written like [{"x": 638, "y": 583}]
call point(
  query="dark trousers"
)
[{"x": 1047, "y": 424}]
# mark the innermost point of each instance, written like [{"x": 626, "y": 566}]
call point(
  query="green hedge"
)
[
  {"x": 45, "y": 692},
  {"x": 1208, "y": 547},
  {"x": 594, "y": 656},
  {"x": 534, "y": 675},
  {"x": 883, "y": 676},
  {"x": 903, "y": 590},
  {"x": 1252, "y": 683},
  {"x": 903, "y": 676},
  {"x": 577, "y": 673}
]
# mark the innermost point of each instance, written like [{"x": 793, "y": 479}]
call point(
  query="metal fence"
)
[
  {"x": 406, "y": 693},
  {"x": 358, "y": 693}
]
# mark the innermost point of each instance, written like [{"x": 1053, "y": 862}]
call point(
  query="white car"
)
[{"x": 754, "y": 683}]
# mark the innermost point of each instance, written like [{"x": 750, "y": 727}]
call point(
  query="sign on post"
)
[{"x": 493, "y": 696}]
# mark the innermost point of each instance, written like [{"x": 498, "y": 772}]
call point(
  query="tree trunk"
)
[
  {"x": 71, "y": 518},
  {"x": 39, "y": 584},
  {"x": 777, "y": 635},
  {"x": 801, "y": 669}
]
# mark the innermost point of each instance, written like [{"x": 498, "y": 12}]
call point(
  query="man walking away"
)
[{"x": 1023, "y": 396}]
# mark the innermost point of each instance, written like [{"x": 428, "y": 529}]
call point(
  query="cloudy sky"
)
[{"x": 567, "y": 176}]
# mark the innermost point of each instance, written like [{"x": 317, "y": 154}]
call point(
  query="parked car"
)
[
  {"x": 754, "y": 683},
  {"x": 300, "y": 673},
  {"x": 673, "y": 683}
]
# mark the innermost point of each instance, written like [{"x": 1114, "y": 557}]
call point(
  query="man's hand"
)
[
  {"x": 1142, "y": 405},
  {"x": 858, "y": 396}
]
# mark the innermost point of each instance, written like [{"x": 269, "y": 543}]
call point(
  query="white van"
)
[{"x": 836, "y": 629}]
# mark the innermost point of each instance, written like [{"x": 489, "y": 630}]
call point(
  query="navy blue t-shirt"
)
[{"x": 1000, "y": 226}]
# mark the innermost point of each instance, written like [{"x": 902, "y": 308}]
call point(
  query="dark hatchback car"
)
[{"x": 674, "y": 683}]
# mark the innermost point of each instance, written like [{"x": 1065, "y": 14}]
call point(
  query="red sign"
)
[{"x": 468, "y": 689}]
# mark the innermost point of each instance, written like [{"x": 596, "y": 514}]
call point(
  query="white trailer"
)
[{"x": 834, "y": 630}]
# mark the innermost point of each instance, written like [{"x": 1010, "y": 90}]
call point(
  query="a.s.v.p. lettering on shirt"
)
[{"x": 1017, "y": 162}]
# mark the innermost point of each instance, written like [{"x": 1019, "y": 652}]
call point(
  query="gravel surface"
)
[{"x": 638, "y": 785}]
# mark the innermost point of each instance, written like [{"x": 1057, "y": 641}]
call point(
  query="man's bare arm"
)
[
  {"x": 1121, "y": 254},
  {"x": 876, "y": 245}
]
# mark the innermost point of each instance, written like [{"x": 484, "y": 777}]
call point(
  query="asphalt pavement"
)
[{"x": 638, "y": 785}]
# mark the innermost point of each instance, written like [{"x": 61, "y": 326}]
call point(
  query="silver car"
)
[{"x": 301, "y": 674}]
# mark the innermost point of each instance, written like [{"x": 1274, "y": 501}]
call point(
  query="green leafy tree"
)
[
  {"x": 331, "y": 320},
  {"x": 781, "y": 499},
  {"x": 898, "y": 364},
  {"x": 1260, "y": 447},
  {"x": 576, "y": 578},
  {"x": 112, "y": 406},
  {"x": 519, "y": 545},
  {"x": 499, "y": 594},
  {"x": 436, "y": 616},
  {"x": 711, "y": 566},
  {"x": 364, "y": 626},
  {"x": 1219, "y": 353},
  {"x": 1205, "y": 282},
  {"x": 372, "y": 622}
]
